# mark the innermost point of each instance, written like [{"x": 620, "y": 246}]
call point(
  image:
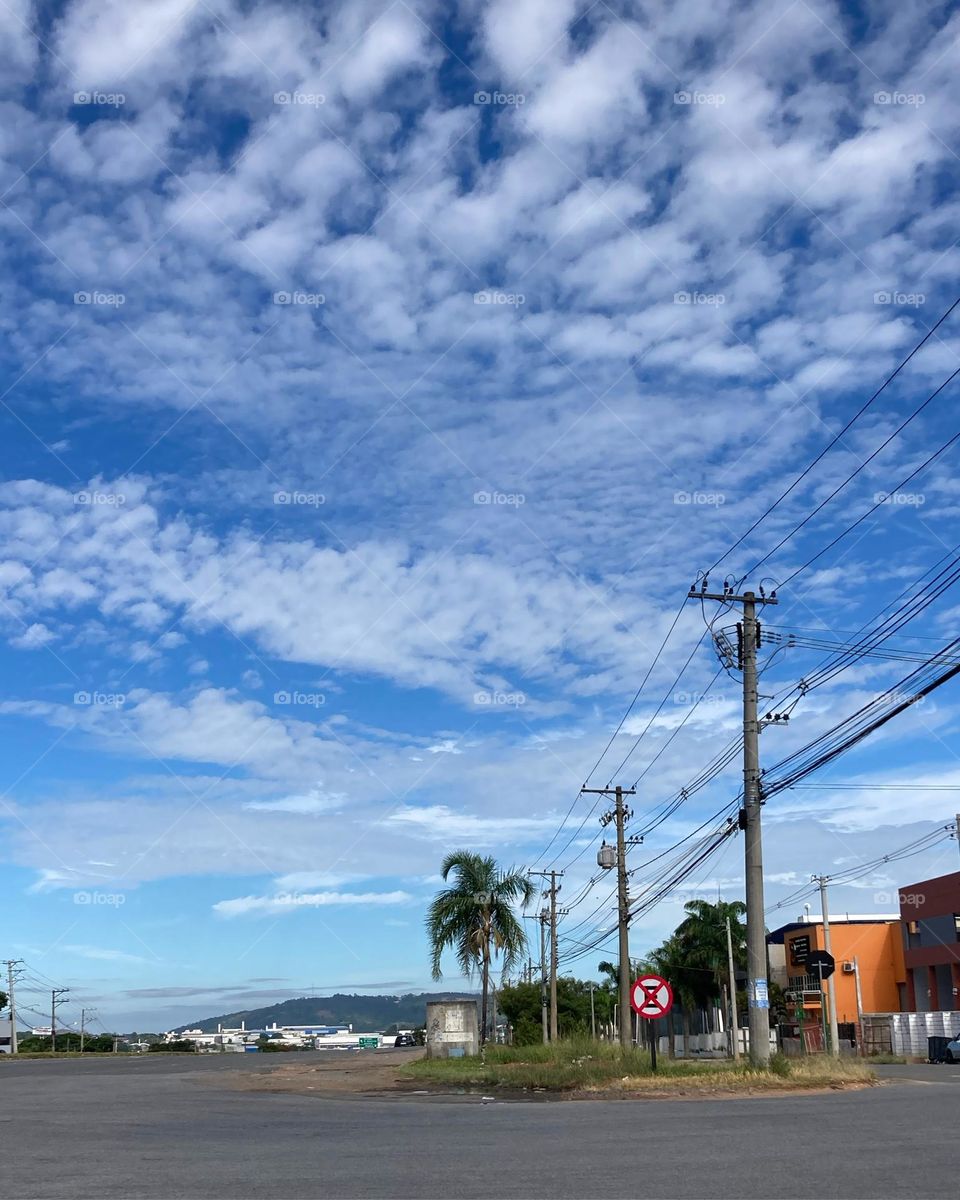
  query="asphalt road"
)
[{"x": 166, "y": 1129}]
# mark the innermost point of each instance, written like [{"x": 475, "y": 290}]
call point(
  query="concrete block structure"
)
[{"x": 453, "y": 1029}]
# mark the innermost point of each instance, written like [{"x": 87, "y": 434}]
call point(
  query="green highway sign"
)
[{"x": 369, "y": 1043}]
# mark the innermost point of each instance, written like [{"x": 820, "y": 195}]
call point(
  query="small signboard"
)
[
  {"x": 799, "y": 950},
  {"x": 821, "y": 964},
  {"x": 369, "y": 1043},
  {"x": 759, "y": 994},
  {"x": 651, "y": 996}
]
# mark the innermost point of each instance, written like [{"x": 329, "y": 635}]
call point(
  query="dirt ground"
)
[
  {"x": 342, "y": 1073},
  {"x": 376, "y": 1072}
]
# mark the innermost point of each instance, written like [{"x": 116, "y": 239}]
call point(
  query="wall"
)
[{"x": 452, "y": 1025}]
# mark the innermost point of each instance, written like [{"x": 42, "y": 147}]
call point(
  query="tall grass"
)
[{"x": 582, "y": 1064}]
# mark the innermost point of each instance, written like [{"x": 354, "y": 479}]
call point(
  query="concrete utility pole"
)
[
  {"x": 619, "y": 815},
  {"x": 554, "y": 1027},
  {"x": 823, "y": 880},
  {"x": 12, "y": 963},
  {"x": 758, "y": 1000},
  {"x": 544, "y": 917},
  {"x": 554, "y": 955},
  {"x": 83, "y": 1018},
  {"x": 734, "y": 1030},
  {"x": 55, "y": 994},
  {"x": 593, "y": 1015},
  {"x": 958, "y": 831}
]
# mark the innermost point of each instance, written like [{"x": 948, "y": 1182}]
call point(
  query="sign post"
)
[
  {"x": 822, "y": 964},
  {"x": 651, "y": 997}
]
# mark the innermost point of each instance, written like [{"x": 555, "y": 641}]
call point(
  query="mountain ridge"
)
[{"x": 364, "y": 1013}]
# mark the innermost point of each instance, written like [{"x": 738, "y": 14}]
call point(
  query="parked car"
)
[
  {"x": 953, "y": 1050},
  {"x": 405, "y": 1039}
]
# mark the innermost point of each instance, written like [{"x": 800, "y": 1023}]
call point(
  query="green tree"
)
[
  {"x": 702, "y": 939},
  {"x": 520, "y": 1004},
  {"x": 474, "y": 917}
]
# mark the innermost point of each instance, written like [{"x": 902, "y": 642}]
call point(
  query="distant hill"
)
[{"x": 364, "y": 1013}]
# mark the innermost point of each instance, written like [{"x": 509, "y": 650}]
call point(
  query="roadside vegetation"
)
[{"x": 584, "y": 1065}]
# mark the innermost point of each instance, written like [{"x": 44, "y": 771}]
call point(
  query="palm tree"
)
[
  {"x": 703, "y": 934},
  {"x": 475, "y": 918},
  {"x": 702, "y": 939}
]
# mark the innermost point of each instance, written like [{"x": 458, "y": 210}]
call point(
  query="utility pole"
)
[
  {"x": 554, "y": 959},
  {"x": 758, "y": 1001},
  {"x": 83, "y": 1017},
  {"x": 554, "y": 954},
  {"x": 856, "y": 977},
  {"x": 544, "y": 917},
  {"x": 734, "y": 1030},
  {"x": 593, "y": 1015},
  {"x": 12, "y": 963},
  {"x": 55, "y": 994},
  {"x": 958, "y": 831},
  {"x": 831, "y": 985},
  {"x": 619, "y": 815}
]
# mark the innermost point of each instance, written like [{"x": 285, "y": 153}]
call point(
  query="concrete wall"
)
[
  {"x": 452, "y": 1026},
  {"x": 908, "y": 1032}
]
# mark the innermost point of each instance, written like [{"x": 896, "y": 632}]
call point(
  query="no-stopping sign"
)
[{"x": 651, "y": 996}]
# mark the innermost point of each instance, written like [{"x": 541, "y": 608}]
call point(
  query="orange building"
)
[{"x": 870, "y": 976}]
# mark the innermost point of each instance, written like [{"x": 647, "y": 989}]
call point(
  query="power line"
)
[
  {"x": 833, "y": 441},
  {"x": 836, "y": 491}
]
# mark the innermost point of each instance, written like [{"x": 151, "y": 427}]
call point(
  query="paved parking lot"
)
[{"x": 168, "y": 1129}]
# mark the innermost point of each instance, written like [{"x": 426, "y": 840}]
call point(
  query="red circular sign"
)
[{"x": 651, "y": 996}]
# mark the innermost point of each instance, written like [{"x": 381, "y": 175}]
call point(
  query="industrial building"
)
[
  {"x": 930, "y": 920},
  {"x": 870, "y": 975},
  {"x": 302, "y": 1037}
]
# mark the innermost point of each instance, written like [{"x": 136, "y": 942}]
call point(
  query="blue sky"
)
[{"x": 377, "y": 378}]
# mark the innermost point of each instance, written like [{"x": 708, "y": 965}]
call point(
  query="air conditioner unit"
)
[{"x": 848, "y": 968}]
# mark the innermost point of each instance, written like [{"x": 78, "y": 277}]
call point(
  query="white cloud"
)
[
  {"x": 438, "y": 822},
  {"x": 314, "y": 801},
  {"x": 33, "y": 637},
  {"x": 282, "y": 904}
]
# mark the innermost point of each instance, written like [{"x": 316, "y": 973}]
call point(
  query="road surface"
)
[{"x": 173, "y": 1129}]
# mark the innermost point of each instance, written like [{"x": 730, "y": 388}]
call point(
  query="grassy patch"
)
[{"x": 599, "y": 1066}]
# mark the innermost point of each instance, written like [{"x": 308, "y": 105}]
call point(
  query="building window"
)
[{"x": 956, "y": 925}]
